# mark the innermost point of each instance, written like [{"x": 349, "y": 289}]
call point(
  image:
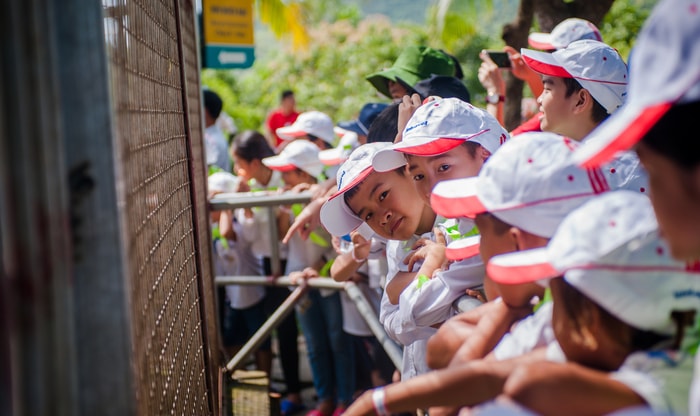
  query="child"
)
[
  {"x": 243, "y": 307},
  {"x": 319, "y": 313},
  {"x": 584, "y": 84},
  {"x": 314, "y": 126},
  {"x": 662, "y": 108},
  {"x": 248, "y": 150},
  {"x": 390, "y": 205},
  {"x": 518, "y": 200},
  {"x": 611, "y": 345}
]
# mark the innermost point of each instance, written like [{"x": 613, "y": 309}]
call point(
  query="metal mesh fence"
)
[{"x": 156, "y": 104}]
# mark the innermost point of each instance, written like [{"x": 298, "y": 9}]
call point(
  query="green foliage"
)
[
  {"x": 329, "y": 76},
  {"x": 622, "y": 23}
]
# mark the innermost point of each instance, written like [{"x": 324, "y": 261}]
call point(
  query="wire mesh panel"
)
[{"x": 153, "y": 108}]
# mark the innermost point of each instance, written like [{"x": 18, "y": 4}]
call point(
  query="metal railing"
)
[{"x": 270, "y": 201}]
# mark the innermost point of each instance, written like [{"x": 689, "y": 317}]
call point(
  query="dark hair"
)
[
  {"x": 579, "y": 310},
  {"x": 500, "y": 227},
  {"x": 670, "y": 135},
  {"x": 250, "y": 145},
  {"x": 286, "y": 94},
  {"x": 212, "y": 103},
  {"x": 472, "y": 147},
  {"x": 384, "y": 127},
  {"x": 599, "y": 113},
  {"x": 459, "y": 73},
  {"x": 355, "y": 189}
]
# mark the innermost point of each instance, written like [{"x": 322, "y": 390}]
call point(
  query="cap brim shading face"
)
[
  {"x": 336, "y": 216},
  {"x": 463, "y": 249},
  {"x": 620, "y": 132},
  {"x": 457, "y": 198},
  {"x": 290, "y": 133},
  {"x": 519, "y": 267},
  {"x": 541, "y": 41},
  {"x": 278, "y": 163},
  {"x": 388, "y": 159},
  {"x": 544, "y": 63}
]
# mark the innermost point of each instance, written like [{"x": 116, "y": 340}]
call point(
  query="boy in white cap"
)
[
  {"x": 389, "y": 204},
  {"x": 562, "y": 35},
  {"x": 315, "y": 126},
  {"x": 444, "y": 139},
  {"x": 583, "y": 84},
  {"x": 319, "y": 314},
  {"x": 518, "y": 200},
  {"x": 660, "y": 113},
  {"x": 613, "y": 351}
]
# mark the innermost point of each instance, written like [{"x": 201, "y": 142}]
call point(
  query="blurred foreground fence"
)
[{"x": 106, "y": 282}]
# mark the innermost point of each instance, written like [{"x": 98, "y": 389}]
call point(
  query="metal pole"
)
[
  {"x": 254, "y": 342},
  {"x": 274, "y": 243},
  {"x": 392, "y": 349}
]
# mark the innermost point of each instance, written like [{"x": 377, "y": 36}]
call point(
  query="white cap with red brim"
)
[
  {"x": 596, "y": 66},
  {"x": 336, "y": 215},
  {"x": 439, "y": 126},
  {"x": 664, "y": 70},
  {"x": 610, "y": 250}
]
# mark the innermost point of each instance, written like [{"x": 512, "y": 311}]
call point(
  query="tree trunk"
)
[{"x": 548, "y": 14}]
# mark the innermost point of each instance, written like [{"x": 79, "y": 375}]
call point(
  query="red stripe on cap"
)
[
  {"x": 540, "y": 45},
  {"x": 432, "y": 148},
  {"x": 359, "y": 178},
  {"x": 634, "y": 132},
  {"x": 546, "y": 69},
  {"x": 513, "y": 275},
  {"x": 461, "y": 253},
  {"x": 468, "y": 206},
  {"x": 283, "y": 168}
]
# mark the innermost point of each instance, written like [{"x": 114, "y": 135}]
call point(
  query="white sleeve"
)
[
  {"x": 661, "y": 378},
  {"x": 390, "y": 315}
]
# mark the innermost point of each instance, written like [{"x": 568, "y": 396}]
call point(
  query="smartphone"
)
[{"x": 500, "y": 58}]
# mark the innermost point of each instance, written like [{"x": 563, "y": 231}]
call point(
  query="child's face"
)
[
  {"x": 426, "y": 172},
  {"x": 389, "y": 204},
  {"x": 396, "y": 90},
  {"x": 295, "y": 177},
  {"x": 579, "y": 345},
  {"x": 244, "y": 168},
  {"x": 494, "y": 240},
  {"x": 555, "y": 106},
  {"x": 675, "y": 194}
]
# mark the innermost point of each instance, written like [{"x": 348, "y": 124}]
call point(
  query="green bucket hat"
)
[{"x": 415, "y": 63}]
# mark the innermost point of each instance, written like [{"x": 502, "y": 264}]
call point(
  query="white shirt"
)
[
  {"x": 257, "y": 228},
  {"x": 234, "y": 258},
  {"x": 216, "y": 148},
  {"x": 532, "y": 332},
  {"x": 424, "y": 303}
]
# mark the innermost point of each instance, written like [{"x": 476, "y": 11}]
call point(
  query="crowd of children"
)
[{"x": 576, "y": 238}]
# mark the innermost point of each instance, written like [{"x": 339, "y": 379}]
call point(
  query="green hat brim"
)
[{"x": 379, "y": 79}]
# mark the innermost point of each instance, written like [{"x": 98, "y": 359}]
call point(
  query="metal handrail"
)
[{"x": 271, "y": 200}]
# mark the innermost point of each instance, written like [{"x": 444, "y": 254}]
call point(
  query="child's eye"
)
[
  {"x": 368, "y": 216},
  {"x": 444, "y": 167},
  {"x": 418, "y": 177},
  {"x": 383, "y": 195}
]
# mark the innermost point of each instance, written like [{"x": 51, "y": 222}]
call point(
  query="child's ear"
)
[
  {"x": 483, "y": 153},
  {"x": 584, "y": 101}
]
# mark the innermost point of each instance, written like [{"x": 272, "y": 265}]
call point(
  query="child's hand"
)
[
  {"x": 301, "y": 187},
  {"x": 407, "y": 107},
  {"x": 360, "y": 246},
  {"x": 432, "y": 253},
  {"x": 296, "y": 278},
  {"x": 476, "y": 294}
]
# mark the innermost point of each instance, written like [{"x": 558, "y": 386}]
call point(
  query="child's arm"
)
[
  {"x": 472, "y": 335},
  {"x": 226, "y": 225},
  {"x": 346, "y": 264},
  {"x": 431, "y": 253},
  {"x": 567, "y": 388},
  {"x": 466, "y": 385}
]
